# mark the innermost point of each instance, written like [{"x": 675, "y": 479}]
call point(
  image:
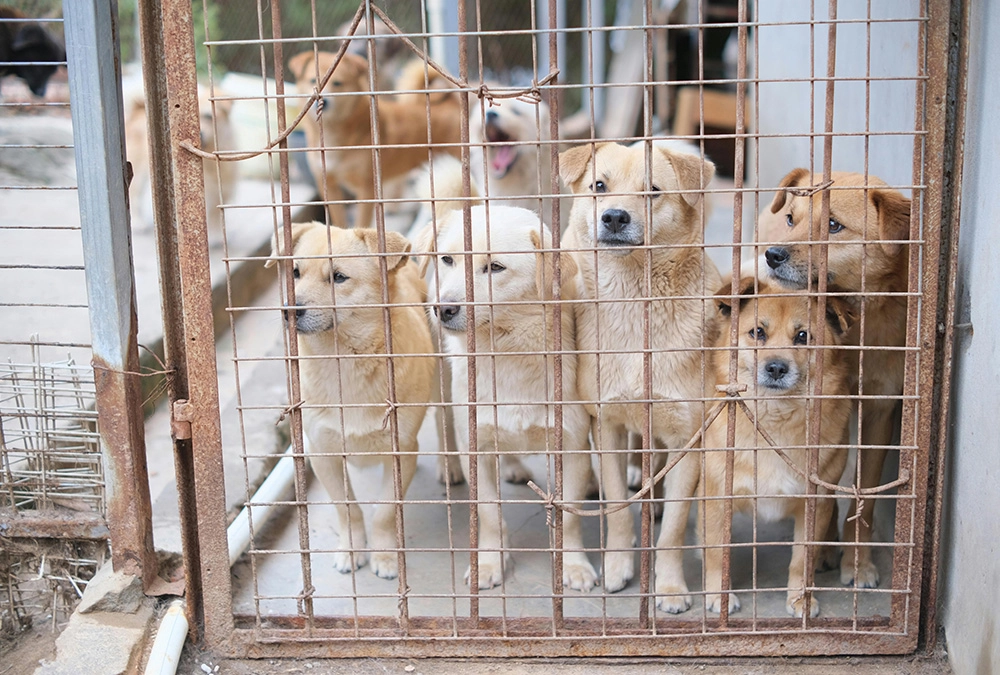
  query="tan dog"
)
[
  {"x": 613, "y": 225},
  {"x": 519, "y": 272},
  {"x": 343, "y": 125},
  {"x": 220, "y": 177},
  {"x": 880, "y": 216},
  {"x": 338, "y": 287},
  {"x": 774, "y": 361}
]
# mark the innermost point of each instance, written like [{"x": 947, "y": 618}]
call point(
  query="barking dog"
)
[
  {"x": 513, "y": 267},
  {"x": 638, "y": 232},
  {"x": 338, "y": 287},
  {"x": 342, "y": 128},
  {"x": 517, "y": 167},
  {"x": 28, "y": 51},
  {"x": 875, "y": 214},
  {"x": 774, "y": 360}
]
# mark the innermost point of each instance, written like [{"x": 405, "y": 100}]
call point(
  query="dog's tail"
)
[{"x": 416, "y": 76}]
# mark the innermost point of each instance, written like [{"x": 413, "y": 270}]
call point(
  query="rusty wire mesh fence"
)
[
  {"x": 633, "y": 342},
  {"x": 52, "y": 483}
]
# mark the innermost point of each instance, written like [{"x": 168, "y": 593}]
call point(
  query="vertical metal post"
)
[{"x": 98, "y": 127}]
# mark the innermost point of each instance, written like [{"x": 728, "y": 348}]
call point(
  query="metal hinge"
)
[{"x": 180, "y": 421}]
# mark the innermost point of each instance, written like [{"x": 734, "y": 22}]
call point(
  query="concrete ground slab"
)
[{"x": 101, "y": 643}]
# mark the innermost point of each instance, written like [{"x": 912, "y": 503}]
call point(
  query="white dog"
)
[{"x": 513, "y": 267}]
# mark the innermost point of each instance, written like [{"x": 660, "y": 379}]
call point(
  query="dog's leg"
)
[
  {"x": 795, "y": 603},
  {"x": 856, "y": 565},
  {"x": 578, "y": 573},
  {"x": 619, "y": 563},
  {"x": 513, "y": 471},
  {"x": 331, "y": 471},
  {"x": 449, "y": 463},
  {"x": 490, "y": 545},
  {"x": 385, "y": 561},
  {"x": 680, "y": 485},
  {"x": 365, "y": 209},
  {"x": 711, "y": 517},
  {"x": 333, "y": 193},
  {"x": 828, "y": 556}
]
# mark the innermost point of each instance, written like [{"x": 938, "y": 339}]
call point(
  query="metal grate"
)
[{"x": 628, "y": 352}]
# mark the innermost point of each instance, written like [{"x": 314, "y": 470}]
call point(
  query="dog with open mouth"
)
[{"x": 511, "y": 142}]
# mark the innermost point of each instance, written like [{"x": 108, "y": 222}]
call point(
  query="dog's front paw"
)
[
  {"x": 578, "y": 573},
  {"x": 867, "y": 576},
  {"x": 713, "y": 603},
  {"x": 450, "y": 469},
  {"x": 796, "y": 604},
  {"x": 513, "y": 471},
  {"x": 385, "y": 565},
  {"x": 348, "y": 561},
  {"x": 490, "y": 571},
  {"x": 618, "y": 570},
  {"x": 673, "y": 598},
  {"x": 827, "y": 558}
]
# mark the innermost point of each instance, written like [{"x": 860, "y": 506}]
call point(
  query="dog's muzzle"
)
[
  {"x": 777, "y": 374},
  {"x": 451, "y": 316},
  {"x": 618, "y": 229}
]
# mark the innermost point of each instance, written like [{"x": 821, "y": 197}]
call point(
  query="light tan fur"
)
[
  {"x": 511, "y": 264},
  {"x": 615, "y": 269},
  {"x": 341, "y": 121},
  {"x": 334, "y": 318},
  {"x": 220, "y": 177},
  {"x": 777, "y": 367},
  {"x": 517, "y": 166},
  {"x": 882, "y": 216}
]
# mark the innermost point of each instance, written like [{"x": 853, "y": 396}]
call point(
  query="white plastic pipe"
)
[
  {"x": 273, "y": 489},
  {"x": 166, "y": 652}
]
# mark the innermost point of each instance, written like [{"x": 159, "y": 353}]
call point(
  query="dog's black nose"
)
[
  {"x": 616, "y": 219},
  {"x": 776, "y": 256},
  {"x": 447, "y": 312},
  {"x": 492, "y": 115},
  {"x": 300, "y": 311},
  {"x": 776, "y": 369}
]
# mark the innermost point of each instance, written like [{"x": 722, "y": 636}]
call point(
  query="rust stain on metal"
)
[
  {"x": 180, "y": 420},
  {"x": 50, "y": 524}
]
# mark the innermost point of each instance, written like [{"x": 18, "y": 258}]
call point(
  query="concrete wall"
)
[
  {"x": 971, "y": 573},
  {"x": 800, "y": 107}
]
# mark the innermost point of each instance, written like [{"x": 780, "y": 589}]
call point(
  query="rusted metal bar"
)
[
  {"x": 98, "y": 129},
  {"x": 949, "y": 230},
  {"x": 52, "y": 525},
  {"x": 176, "y": 79}
]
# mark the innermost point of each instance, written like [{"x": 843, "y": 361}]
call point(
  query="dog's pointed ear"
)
[
  {"x": 425, "y": 244},
  {"x": 545, "y": 269},
  {"x": 893, "y": 218},
  {"x": 278, "y": 241},
  {"x": 28, "y": 36},
  {"x": 397, "y": 247},
  {"x": 299, "y": 63},
  {"x": 841, "y": 313},
  {"x": 793, "y": 178},
  {"x": 724, "y": 296},
  {"x": 573, "y": 164},
  {"x": 694, "y": 173}
]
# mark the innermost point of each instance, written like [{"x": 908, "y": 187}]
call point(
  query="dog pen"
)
[{"x": 284, "y": 598}]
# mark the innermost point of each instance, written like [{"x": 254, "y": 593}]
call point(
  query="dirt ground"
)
[{"x": 22, "y": 654}]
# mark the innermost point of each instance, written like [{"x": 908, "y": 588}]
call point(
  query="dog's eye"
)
[
  {"x": 801, "y": 338},
  {"x": 789, "y": 221},
  {"x": 516, "y": 112},
  {"x": 295, "y": 272},
  {"x": 835, "y": 226},
  {"x": 495, "y": 267},
  {"x": 447, "y": 260},
  {"x": 758, "y": 334},
  {"x": 340, "y": 277},
  {"x": 599, "y": 187},
  {"x": 655, "y": 188},
  {"x": 337, "y": 83}
]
